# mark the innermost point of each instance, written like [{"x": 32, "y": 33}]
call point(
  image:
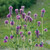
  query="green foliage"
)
[{"x": 4, "y": 4}]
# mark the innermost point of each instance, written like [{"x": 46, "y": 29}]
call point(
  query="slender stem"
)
[
  {"x": 31, "y": 41},
  {"x": 23, "y": 47},
  {"x": 42, "y": 26}
]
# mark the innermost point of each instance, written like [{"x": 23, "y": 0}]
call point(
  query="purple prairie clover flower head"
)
[
  {"x": 8, "y": 16},
  {"x": 29, "y": 32},
  {"x": 21, "y": 11},
  {"x": 10, "y": 10},
  {"x": 16, "y": 10},
  {"x": 40, "y": 45},
  {"x": 42, "y": 12},
  {"x": 17, "y": 31},
  {"x": 39, "y": 22},
  {"x": 22, "y": 7},
  {"x": 45, "y": 30},
  {"x": 12, "y": 22},
  {"x": 35, "y": 15},
  {"x": 30, "y": 19},
  {"x": 6, "y": 37},
  {"x": 37, "y": 33},
  {"x": 5, "y": 41},
  {"x": 25, "y": 18},
  {"x": 36, "y": 45},
  {"x": 29, "y": 12},
  {"x": 18, "y": 27},
  {"x": 25, "y": 25},
  {"x": 6, "y": 22},
  {"x": 21, "y": 33},
  {"x": 23, "y": 15},
  {"x": 18, "y": 17},
  {"x": 11, "y": 37}
]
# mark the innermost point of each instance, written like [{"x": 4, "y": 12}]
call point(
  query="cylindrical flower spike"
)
[
  {"x": 18, "y": 17},
  {"x": 30, "y": 19},
  {"x": 37, "y": 33},
  {"x": 11, "y": 37},
  {"x": 36, "y": 45},
  {"x": 39, "y": 22},
  {"x": 12, "y": 22},
  {"x": 6, "y": 22},
  {"x": 25, "y": 27},
  {"x": 42, "y": 12},
  {"x": 22, "y": 7},
  {"x": 29, "y": 32},
  {"x": 21, "y": 33},
  {"x": 45, "y": 30},
  {"x": 16, "y": 10},
  {"x": 35, "y": 16},
  {"x": 21, "y": 11},
  {"x": 6, "y": 37},
  {"x": 23, "y": 15},
  {"x": 10, "y": 10},
  {"x": 8, "y": 16},
  {"x": 18, "y": 27},
  {"x": 41, "y": 44},
  {"x": 29, "y": 13},
  {"x": 5, "y": 41}
]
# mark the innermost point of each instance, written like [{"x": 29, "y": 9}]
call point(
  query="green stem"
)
[
  {"x": 42, "y": 26},
  {"x": 23, "y": 47},
  {"x": 31, "y": 41}
]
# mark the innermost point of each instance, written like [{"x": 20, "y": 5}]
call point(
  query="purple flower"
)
[
  {"x": 42, "y": 12},
  {"x": 36, "y": 45},
  {"x": 30, "y": 19},
  {"x": 29, "y": 12},
  {"x": 5, "y": 41},
  {"x": 41, "y": 45},
  {"x": 29, "y": 32},
  {"x": 6, "y": 22},
  {"x": 18, "y": 27},
  {"x": 11, "y": 37},
  {"x": 17, "y": 31},
  {"x": 8, "y": 16},
  {"x": 35, "y": 15},
  {"x": 6, "y": 37},
  {"x": 37, "y": 33},
  {"x": 16, "y": 10},
  {"x": 39, "y": 23},
  {"x": 23, "y": 15},
  {"x": 25, "y": 19},
  {"x": 45, "y": 30},
  {"x": 10, "y": 10},
  {"x": 21, "y": 33},
  {"x": 18, "y": 17},
  {"x": 25, "y": 26},
  {"x": 21, "y": 11},
  {"x": 22, "y": 7},
  {"x": 12, "y": 22}
]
